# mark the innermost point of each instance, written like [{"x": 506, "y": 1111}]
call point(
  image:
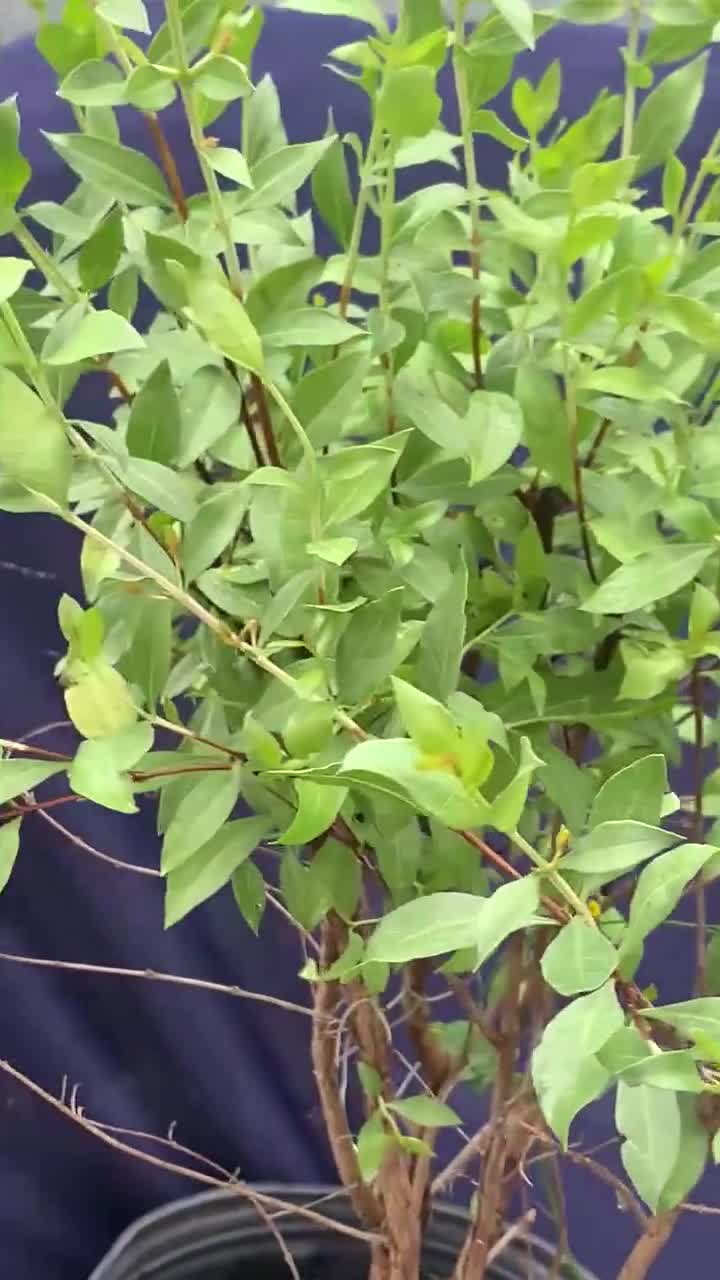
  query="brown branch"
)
[
  {"x": 153, "y": 975},
  {"x": 515, "y": 1230},
  {"x": 168, "y": 165},
  {"x": 644, "y": 1252},
  {"x": 622, "y": 1192},
  {"x": 472, "y": 1010},
  {"x": 40, "y": 806},
  {"x": 326, "y": 997},
  {"x": 240, "y": 1188},
  {"x": 249, "y": 426},
  {"x": 262, "y": 410},
  {"x": 476, "y": 1145},
  {"x": 435, "y": 1063}
]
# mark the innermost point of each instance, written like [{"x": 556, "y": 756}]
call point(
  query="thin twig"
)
[
  {"x": 79, "y": 843},
  {"x": 518, "y": 1228},
  {"x": 153, "y": 975},
  {"x": 239, "y": 1188},
  {"x": 651, "y": 1243},
  {"x": 578, "y": 493}
]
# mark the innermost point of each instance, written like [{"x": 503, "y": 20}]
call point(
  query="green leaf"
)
[
  {"x": 428, "y": 723},
  {"x": 488, "y": 122},
  {"x": 231, "y": 163},
  {"x": 147, "y": 662},
  {"x": 579, "y": 958},
  {"x": 18, "y": 776},
  {"x": 373, "y": 1142},
  {"x": 9, "y": 846},
  {"x": 113, "y": 169},
  {"x": 331, "y": 193},
  {"x": 519, "y": 16},
  {"x": 631, "y": 383},
  {"x": 100, "y": 703},
  {"x": 489, "y": 433},
  {"x": 366, "y": 11},
  {"x": 566, "y": 1073},
  {"x": 370, "y": 1080},
  {"x": 99, "y": 333},
  {"x": 511, "y": 907},
  {"x": 337, "y": 876},
  {"x": 354, "y": 477},
  {"x": 366, "y": 652},
  {"x": 322, "y": 395},
  {"x": 211, "y": 867},
  {"x": 442, "y": 639},
  {"x": 675, "y": 1070},
  {"x": 222, "y": 79},
  {"x": 277, "y": 176},
  {"x": 666, "y": 115},
  {"x": 427, "y": 927},
  {"x": 593, "y": 184},
  {"x": 673, "y": 183},
  {"x": 12, "y": 273},
  {"x": 224, "y": 321},
  {"x": 282, "y": 604},
  {"x": 615, "y": 847},
  {"x": 395, "y": 766},
  {"x": 210, "y": 406},
  {"x": 213, "y": 528},
  {"x": 131, "y": 14},
  {"x": 651, "y": 576},
  {"x": 47, "y": 467},
  {"x": 168, "y": 490},
  {"x": 99, "y": 770},
  {"x": 248, "y": 889},
  {"x": 95, "y": 83},
  {"x": 635, "y": 792},
  {"x": 205, "y": 806},
  {"x": 333, "y": 550},
  {"x": 649, "y": 1119},
  {"x": 691, "y": 1016},
  {"x": 154, "y": 426},
  {"x": 318, "y": 807},
  {"x": 100, "y": 254},
  {"x": 14, "y": 168},
  {"x": 150, "y": 88},
  {"x": 408, "y": 105},
  {"x": 569, "y": 787},
  {"x": 507, "y": 807},
  {"x": 307, "y": 327},
  {"x": 692, "y": 1155},
  {"x": 426, "y": 1112}
]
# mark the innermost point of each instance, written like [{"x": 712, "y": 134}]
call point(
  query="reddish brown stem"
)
[
  {"x": 262, "y": 410},
  {"x": 648, "y": 1247},
  {"x": 326, "y": 997},
  {"x": 168, "y": 165}
]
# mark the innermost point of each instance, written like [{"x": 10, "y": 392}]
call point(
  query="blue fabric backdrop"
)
[{"x": 233, "y": 1075}]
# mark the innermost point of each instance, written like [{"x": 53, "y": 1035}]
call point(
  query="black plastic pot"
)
[{"x": 218, "y": 1236}]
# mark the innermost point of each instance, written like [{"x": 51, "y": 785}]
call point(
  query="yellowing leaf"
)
[{"x": 101, "y": 702}]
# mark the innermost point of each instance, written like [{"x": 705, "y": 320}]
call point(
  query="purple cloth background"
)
[{"x": 234, "y": 1075}]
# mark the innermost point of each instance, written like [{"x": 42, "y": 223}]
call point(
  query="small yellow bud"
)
[
  {"x": 318, "y": 300},
  {"x": 594, "y": 908},
  {"x": 562, "y": 840}
]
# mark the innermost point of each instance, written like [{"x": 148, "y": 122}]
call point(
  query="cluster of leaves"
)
[{"x": 440, "y": 517}]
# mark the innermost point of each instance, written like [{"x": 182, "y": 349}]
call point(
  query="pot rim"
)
[{"x": 209, "y": 1209}]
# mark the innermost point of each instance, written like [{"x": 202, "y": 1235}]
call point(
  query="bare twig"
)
[
  {"x": 516, "y": 1229},
  {"x": 79, "y": 843},
  {"x": 152, "y": 975},
  {"x": 240, "y": 1188}
]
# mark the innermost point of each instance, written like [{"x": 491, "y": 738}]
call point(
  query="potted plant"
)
[{"x": 400, "y": 577}]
